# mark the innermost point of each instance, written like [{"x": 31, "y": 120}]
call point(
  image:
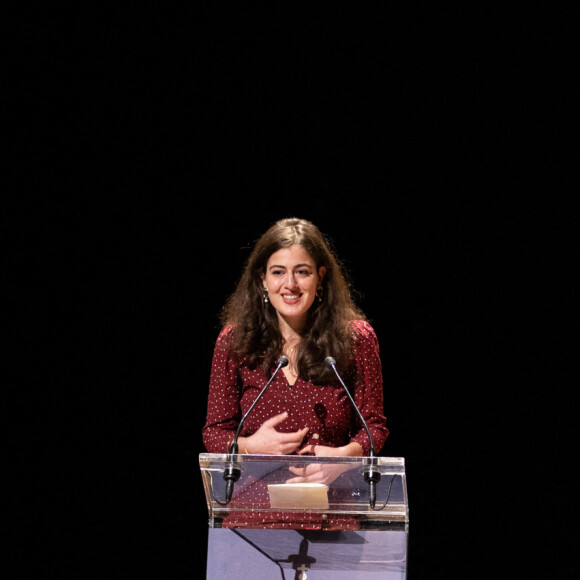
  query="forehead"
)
[{"x": 289, "y": 257}]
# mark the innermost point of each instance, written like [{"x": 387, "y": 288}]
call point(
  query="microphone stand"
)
[{"x": 371, "y": 474}]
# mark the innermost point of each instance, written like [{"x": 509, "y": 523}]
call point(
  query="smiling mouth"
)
[{"x": 291, "y": 297}]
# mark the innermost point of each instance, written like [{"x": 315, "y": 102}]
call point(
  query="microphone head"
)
[
  {"x": 329, "y": 361},
  {"x": 283, "y": 361}
]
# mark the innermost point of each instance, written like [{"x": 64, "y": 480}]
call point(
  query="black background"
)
[{"x": 435, "y": 148}]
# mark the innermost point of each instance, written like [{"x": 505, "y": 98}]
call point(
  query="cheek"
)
[
  {"x": 309, "y": 288},
  {"x": 274, "y": 283}
]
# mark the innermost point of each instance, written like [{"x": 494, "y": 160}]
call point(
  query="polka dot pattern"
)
[
  {"x": 324, "y": 409},
  {"x": 252, "y": 503}
]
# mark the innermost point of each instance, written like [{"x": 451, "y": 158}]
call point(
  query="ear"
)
[
  {"x": 321, "y": 272},
  {"x": 263, "y": 277}
]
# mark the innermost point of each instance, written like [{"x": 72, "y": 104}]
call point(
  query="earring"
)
[
  {"x": 266, "y": 295},
  {"x": 319, "y": 293}
]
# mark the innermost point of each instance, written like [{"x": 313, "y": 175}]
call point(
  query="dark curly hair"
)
[{"x": 256, "y": 338}]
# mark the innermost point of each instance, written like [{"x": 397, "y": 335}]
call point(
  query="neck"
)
[{"x": 291, "y": 329}]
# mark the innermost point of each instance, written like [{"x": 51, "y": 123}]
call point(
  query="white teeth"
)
[{"x": 291, "y": 296}]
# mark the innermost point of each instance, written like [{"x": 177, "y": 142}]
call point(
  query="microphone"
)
[
  {"x": 371, "y": 474},
  {"x": 233, "y": 470}
]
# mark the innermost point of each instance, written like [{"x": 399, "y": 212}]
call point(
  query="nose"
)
[{"x": 291, "y": 280}]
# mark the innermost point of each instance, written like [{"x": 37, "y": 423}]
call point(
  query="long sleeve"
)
[
  {"x": 368, "y": 388},
  {"x": 223, "y": 407}
]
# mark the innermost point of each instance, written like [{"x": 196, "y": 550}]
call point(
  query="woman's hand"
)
[
  {"x": 266, "y": 440},
  {"x": 318, "y": 473},
  {"x": 324, "y": 472},
  {"x": 353, "y": 449}
]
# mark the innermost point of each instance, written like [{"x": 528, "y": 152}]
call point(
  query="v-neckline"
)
[{"x": 289, "y": 383}]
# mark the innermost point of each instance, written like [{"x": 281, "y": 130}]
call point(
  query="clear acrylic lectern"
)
[{"x": 292, "y": 516}]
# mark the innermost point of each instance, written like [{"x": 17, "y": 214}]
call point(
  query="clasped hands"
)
[{"x": 267, "y": 440}]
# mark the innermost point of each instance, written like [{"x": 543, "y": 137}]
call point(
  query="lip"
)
[{"x": 295, "y": 298}]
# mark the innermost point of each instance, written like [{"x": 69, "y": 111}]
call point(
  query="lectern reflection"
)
[
  {"x": 307, "y": 554},
  {"x": 301, "y": 562}
]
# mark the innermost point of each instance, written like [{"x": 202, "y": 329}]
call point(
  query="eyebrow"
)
[{"x": 296, "y": 266}]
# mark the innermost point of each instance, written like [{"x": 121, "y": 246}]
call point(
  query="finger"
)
[
  {"x": 303, "y": 432},
  {"x": 298, "y": 436},
  {"x": 296, "y": 470},
  {"x": 295, "y": 437},
  {"x": 276, "y": 419},
  {"x": 307, "y": 449},
  {"x": 296, "y": 480},
  {"x": 304, "y": 472}
]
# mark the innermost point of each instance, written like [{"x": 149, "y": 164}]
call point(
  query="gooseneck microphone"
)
[
  {"x": 371, "y": 474},
  {"x": 233, "y": 470}
]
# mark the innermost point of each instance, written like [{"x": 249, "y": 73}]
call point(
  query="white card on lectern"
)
[{"x": 298, "y": 496}]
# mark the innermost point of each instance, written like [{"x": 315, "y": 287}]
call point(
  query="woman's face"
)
[{"x": 291, "y": 279}]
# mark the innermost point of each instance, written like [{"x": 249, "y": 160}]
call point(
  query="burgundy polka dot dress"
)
[{"x": 324, "y": 409}]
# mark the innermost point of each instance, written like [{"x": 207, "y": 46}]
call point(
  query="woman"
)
[{"x": 293, "y": 299}]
